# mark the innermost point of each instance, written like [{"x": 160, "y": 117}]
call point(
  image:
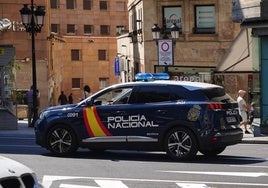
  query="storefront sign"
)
[{"x": 172, "y": 15}]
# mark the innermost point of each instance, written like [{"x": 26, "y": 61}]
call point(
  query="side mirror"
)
[{"x": 89, "y": 102}]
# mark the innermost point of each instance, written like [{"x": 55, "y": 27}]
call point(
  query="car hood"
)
[
  {"x": 9, "y": 167},
  {"x": 61, "y": 107}
]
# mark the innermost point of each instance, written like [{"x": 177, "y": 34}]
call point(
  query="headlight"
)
[{"x": 42, "y": 115}]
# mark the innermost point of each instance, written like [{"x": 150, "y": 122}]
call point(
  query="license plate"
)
[{"x": 230, "y": 119}]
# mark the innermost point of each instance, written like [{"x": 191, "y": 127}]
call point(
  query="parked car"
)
[
  {"x": 16, "y": 175},
  {"x": 180, "y": 118}
]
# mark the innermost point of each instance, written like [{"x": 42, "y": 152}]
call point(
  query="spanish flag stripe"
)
[
  {"x": 87, "y": 122},
  {"x": 103, "y": 128},
  {"x": 93, "y": 123}
]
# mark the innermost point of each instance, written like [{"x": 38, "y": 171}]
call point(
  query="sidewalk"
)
[{"x": 23, "y": 129}]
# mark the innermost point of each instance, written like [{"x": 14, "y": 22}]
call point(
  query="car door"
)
[{"x": 107, "y": 119}]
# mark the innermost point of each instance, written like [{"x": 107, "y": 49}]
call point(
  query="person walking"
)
[
  {"x": 70, "y": 98},
  {"x": 29, "y": 95},
  {"x": 86, "y": 92},
  {"x": 243, "y": 109},
  {"x": 62, "y": 100}
]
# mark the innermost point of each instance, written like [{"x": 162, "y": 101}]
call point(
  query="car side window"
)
[
  {"x": 152, "y": 94},
  {"x": 115, "y": 96}
]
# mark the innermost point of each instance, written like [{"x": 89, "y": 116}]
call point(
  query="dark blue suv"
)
[{"x": 180, "y": 118}]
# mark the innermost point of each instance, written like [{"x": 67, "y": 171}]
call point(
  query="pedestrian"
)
[
  {"x": 243, "y": 109},
  {"x": 62, "y": 100},
  {"x": 251, "y": 113},
  {"x": 86, "y": 92},
  {"x": 70, "y": 98},
  {"x": 29, "y": 95}
]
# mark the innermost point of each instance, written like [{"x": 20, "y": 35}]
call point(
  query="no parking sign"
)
[{"x": 165, "y": 52}]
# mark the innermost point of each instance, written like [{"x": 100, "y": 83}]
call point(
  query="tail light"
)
[{"x": 215, "y": 106}]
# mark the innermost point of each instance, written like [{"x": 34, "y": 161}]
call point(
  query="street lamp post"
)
[
  {"x": 33, "y": 20},
  {"x": 165, "y": 45}
]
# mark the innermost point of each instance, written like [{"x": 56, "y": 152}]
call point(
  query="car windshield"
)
[{"x": 115, "y": 96}]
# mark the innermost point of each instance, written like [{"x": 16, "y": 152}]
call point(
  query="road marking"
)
[
  {"x": 240, "y": 174},
  {"x": 101, "y": 183},
  {"x": 188, "y": 185},
  {"x": 48, "y": 180},
  {"x": 75, "y": 186},
  {"x": 248, "y": 166}
]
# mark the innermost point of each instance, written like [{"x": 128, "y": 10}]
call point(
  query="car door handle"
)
[
  {"x": 120, "y": 112},
  {"x": 161, "y": 111}
]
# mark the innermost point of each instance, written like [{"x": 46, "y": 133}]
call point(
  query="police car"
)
[{"x": 178, "y": 117}]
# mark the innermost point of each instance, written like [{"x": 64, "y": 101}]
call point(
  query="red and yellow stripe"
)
[{"x": 93, "y": 123}]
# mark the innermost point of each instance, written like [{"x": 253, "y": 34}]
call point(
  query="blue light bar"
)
[
  {"x": 151, "y": 77},
  {"x": 161, "y": 76}
]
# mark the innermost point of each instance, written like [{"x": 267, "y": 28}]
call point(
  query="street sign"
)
[
  {"x": 116, "y": 66},
  {"x": 165, "y": 52}
]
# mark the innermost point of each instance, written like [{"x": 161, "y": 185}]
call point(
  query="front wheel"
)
[
  {"x": 61, "y": 140},
  {"x": 180, "y": 144}
]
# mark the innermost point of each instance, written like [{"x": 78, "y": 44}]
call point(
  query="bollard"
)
[{"x": 256, "y": 129}]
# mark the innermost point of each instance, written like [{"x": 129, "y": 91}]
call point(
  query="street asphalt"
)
[{"x": 254, "y": 138}]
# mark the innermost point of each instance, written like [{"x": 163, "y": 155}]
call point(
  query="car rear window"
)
[{"x": 217, "y": 94}]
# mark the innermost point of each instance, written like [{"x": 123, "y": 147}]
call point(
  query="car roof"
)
[{"x": 186, "y": 84}]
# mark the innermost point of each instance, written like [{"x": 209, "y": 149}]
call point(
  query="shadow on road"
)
[{"x": 119, "y": 155}]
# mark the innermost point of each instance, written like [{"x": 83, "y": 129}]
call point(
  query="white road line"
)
[
  {"x": 75, "y": 186},
  {"x": 48, "y": 180},
  {"x": 248, "y": 166},
  {"x": 191, "y": 185},
  {"x": 240, "y": 174}
]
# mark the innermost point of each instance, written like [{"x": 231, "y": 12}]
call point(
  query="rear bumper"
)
[
  {"x": 229, "y": 137},
  {"x": 223, "y": 138}
]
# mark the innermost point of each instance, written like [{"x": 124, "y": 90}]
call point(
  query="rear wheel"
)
[
  {"x": 212, "y": 152},
  {"x": 61, "y": 140},
  {"x": 180, "y": 144}
]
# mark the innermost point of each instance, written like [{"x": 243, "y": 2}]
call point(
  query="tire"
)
[
  {"x": 180, "y": 144},
  {"x": 212, "y": 152},
  {"x": 61, "y": 140}
]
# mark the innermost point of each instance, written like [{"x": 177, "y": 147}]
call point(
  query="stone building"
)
[
  {"x": 21, "y": 62},
  {"x": 76, "y": 47},
  {"x": 82, "y": 45},
  {"x": 206, "y": 35}
]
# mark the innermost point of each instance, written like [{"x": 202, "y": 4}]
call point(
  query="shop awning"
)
[{"x": 239, "y": 56}]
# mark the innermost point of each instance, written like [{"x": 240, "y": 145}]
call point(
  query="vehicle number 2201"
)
[{"x": 72, "y": 114}]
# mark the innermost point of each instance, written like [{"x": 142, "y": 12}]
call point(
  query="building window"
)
[
  {"x": 120, "y": 6},
  {"x": 55, "y": 28},
  {"x": 105, "y": 30},
  {"x": 104, "y": 82},
  {"x": 171, "y": 15},
  {"x": 76, "y": 83},
  {"x": 71, "y": 28},
  {"x": 75, "y": 55},
  {"x": 102, "y": 55},
  {"x": 205, "y": 19},
  {"x": 87, "y": 4},
  {"x": 103, "y": 5},
  {"x": 70, "y": 4},
  {"x": 119, "y": 29},
  {"x": 54, "y": 4},
  {"x": 88, "y": 29}
]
